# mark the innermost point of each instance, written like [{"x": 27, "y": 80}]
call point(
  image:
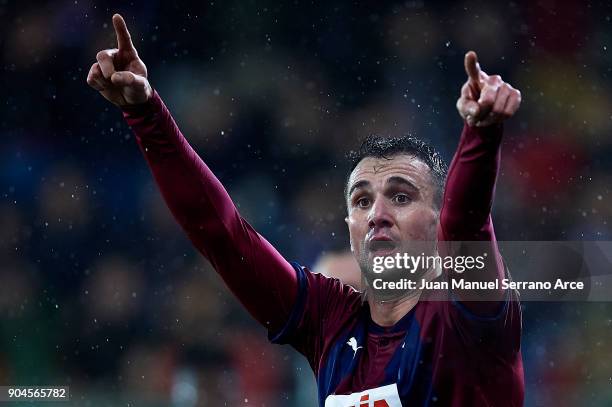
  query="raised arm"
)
[
  {"x": 255, "y": 272},
  {"x": 485, "y": 102}
]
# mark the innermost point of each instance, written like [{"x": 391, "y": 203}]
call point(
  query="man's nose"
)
[{"x": 380, "y": 215}]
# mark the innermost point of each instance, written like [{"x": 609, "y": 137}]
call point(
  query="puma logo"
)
[{"x": 353, "y": 344}]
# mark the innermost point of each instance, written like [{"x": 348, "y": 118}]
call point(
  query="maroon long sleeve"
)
[
  {"x": 252, "y": 268},
  {"x": 468, "y": 196}
]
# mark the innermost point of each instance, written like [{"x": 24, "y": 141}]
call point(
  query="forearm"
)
[
  {"x": 257, "y": 274},
  {"x": 470, "y": 185},
  {"x": 465, "y": 215}
]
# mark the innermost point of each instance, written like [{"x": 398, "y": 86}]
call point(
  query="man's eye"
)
[
  {"x": 401, "y": 198},
  {"x": 363, "y": 202}
]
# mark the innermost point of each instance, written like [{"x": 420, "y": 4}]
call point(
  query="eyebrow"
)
[
  {"x": 392, "y": 180},
  {"x": 402, "y": 181},
  {"x": 359, "y": 184}
]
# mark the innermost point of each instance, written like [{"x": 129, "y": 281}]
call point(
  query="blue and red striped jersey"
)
[{"x": 440, "y": 353}]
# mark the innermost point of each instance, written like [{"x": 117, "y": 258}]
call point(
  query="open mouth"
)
[{"x": 382, "y": 247}]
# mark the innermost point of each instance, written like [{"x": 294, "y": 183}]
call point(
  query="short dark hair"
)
[{"x": 388, "y": 147}]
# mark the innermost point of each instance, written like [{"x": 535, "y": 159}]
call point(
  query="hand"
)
[
  {"x": 485, "y": 99},
  {"x": 120, "y": 75}
]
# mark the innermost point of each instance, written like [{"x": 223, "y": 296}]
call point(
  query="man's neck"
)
[{"x": 389, "y": 311}]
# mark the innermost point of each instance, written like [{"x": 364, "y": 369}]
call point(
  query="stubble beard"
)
[{"x": 395, "y": 275}]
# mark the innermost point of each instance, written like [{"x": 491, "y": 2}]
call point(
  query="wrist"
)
[
  {"x": 142, "y": 108},
  {"x": 490, "y": 134}
]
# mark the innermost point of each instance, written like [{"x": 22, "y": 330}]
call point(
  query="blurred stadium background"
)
[{"x": 101, "y": 291}]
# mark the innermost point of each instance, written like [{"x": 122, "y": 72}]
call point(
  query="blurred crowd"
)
[{"x": 101, "y": 291}]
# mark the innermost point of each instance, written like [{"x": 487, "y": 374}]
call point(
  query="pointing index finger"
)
[
  {"x": 471, "y": 66},
  {"x": 124, "y": 41}
]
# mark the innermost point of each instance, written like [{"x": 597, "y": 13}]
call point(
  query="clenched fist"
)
[
  {"x": 120, "y": 75},
  {"x": 485, "y": 99}
]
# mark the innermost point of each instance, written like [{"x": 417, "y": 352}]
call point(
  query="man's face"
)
[{"x": 390, "y": 204}]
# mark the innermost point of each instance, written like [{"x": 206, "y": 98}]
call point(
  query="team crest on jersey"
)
[{"x": 385, "y": 396}]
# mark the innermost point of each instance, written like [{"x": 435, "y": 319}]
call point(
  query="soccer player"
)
[{"x": 391, "y": 351}]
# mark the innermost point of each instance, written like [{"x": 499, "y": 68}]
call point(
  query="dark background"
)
[{"x": 101, "y": 291}]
